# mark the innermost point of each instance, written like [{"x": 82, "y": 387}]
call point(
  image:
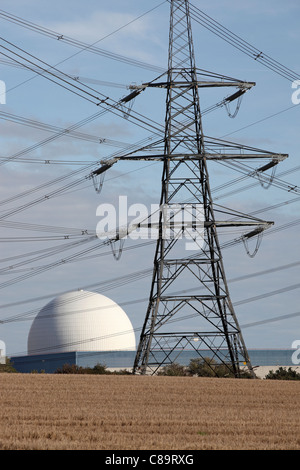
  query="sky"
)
[{"x": 48, "y": 200}]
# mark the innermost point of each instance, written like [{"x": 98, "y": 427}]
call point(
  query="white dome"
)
[{"x": 80, "y": 321}]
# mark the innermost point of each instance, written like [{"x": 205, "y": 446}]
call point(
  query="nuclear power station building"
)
[
  {"x": 82, "y": 328},
  {"x": 86, "y": 328}
]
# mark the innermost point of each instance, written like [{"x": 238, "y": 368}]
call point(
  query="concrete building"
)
[
  {"x": 85, "y": 328},
  {"x": 79, "y": 327}
]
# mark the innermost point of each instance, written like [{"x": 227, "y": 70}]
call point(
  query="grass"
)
[{"x": 44, "y": 411}]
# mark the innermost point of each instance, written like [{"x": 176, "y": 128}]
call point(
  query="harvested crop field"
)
[{"x": 111, "y": 412}]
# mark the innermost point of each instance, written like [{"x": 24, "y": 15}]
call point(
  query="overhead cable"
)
[
  {"x": 91, "y": 48},
  {"x": 245, "y": 47}
]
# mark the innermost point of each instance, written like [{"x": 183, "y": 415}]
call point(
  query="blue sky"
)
[{"x": 267, "y": 119}]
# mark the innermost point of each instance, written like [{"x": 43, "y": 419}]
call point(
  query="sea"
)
[
  {"x": 258, "y": 357},
  {"x": 274, "y": 357}
]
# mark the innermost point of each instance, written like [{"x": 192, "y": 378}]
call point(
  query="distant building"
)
[
  {"x": 86, "y": 328},
  {"x": 82, "y": 328}
]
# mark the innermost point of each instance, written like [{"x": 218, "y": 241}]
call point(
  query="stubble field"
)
[{"x": 106, "y": 412}]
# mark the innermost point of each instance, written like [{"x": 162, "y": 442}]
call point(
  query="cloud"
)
[
  {"x": 103, "y": 24},
  {"x": 123, "y": 33},
  {"x": 268, "y": 8},
  {"x": 98, "y": 25}
]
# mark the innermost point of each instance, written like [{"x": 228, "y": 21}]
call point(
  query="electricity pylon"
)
[
  {"x": 189, "y": 304},
  {"x": 216, "y": 332}
]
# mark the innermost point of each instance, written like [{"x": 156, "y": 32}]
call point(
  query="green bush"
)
[
  {"x": 75, "y": 369},
  {"x": 174, "y": 370},
  {"x": 69, "y": 369},
  {"x": 207, "y": 367},
  {"x": 283, "y": 374},
  {"x": 99, "y": 369},
  {"x": 7, "y": 367},
  {"x": 200, "y": 367}
]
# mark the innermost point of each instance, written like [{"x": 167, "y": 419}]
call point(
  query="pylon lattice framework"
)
[
  {"x": 220, "y": 336},
  {"x": 205, "y": 304}
]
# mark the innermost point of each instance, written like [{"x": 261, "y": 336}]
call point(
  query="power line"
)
[
  {"x": 132, "y": 277},
  {"x": 81, "y": 45},
  {"x": 262, "y": 179},
  {"x": 268, "y": 294},
  {"x": 94, "y": 81},
  {"x": 59, "y": 134},
  {"x": 271, "y": 320},
  {"x": 61, "y": 190},
  {"x": 41, "y": 269},
  {"x": 27, "y": 316},
  {"x": 261, "y": 120},
  {"x": 61, "y": 131},
  {"x": 50, "y": 73},
  {"x": 34, "y": 271},
  {"x": 46, "y": 228},
  {"x": 137, "y": 329},
  {"x": 245, "y": 47},
  {"x": 108, "y": 105}
]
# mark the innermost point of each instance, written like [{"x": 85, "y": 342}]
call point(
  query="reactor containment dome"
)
[{"x": 80, "y": 321}]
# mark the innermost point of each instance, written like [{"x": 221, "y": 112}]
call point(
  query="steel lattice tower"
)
[
  {"x": 189, "y": 288},
  {"x": 186, "y": 179}
]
